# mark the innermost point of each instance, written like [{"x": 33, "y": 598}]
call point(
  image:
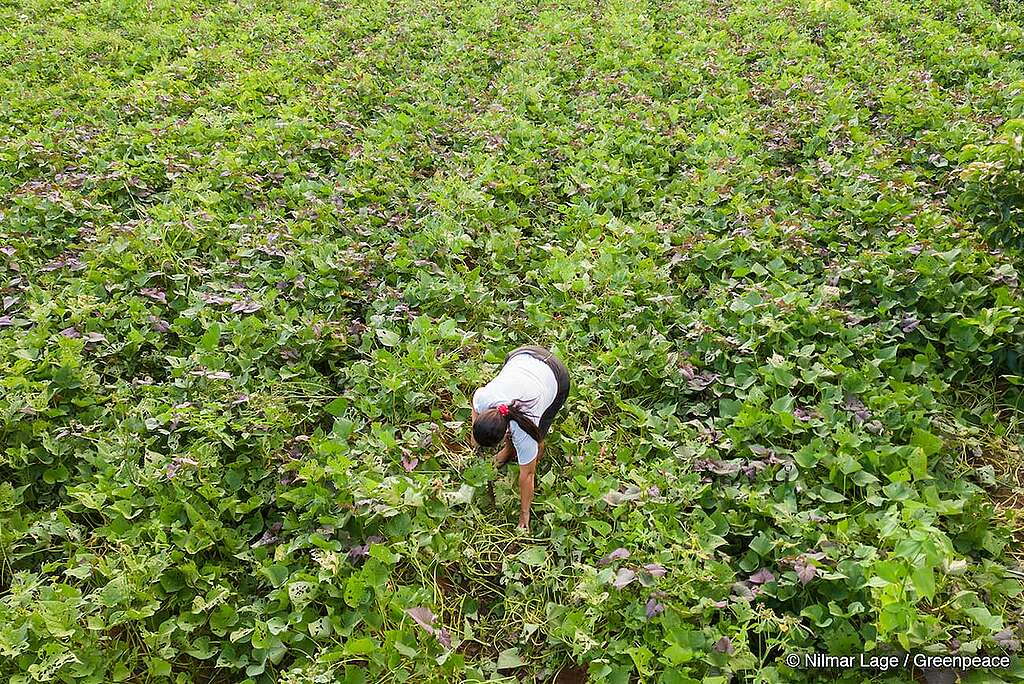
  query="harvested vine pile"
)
[{"x": 255, "y": 257}]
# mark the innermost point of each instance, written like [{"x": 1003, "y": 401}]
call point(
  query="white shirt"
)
[{"x": 525, "y": 378}]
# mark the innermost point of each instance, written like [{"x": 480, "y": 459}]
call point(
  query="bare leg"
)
[{"x": 526, "y": 485}]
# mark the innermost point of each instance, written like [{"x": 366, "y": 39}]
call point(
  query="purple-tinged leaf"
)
[
  {"x": 159, "y": 324},
  {"x": 357, "y": 552},
  {"x": 424, "y": 617},
  {"x": 909, "y": 324},
  {"x": 444, "y": 638},
  {"x": 762, "y": 576},
  {"x": 267, "y": 539},
  {"x": 1006, "y": 639},
  {"x": 753, "y": 467},
  {"x": 410, "y": 463},
  {"x": 155, "y": 293},
  {"x": 856, "y": 407},
  {"x": 695, "y": 380},
  {"x": 96, "y": 337},
  {"x": 617, "y": 554},
  {"x": 7, "y": 250},
  {"x": 804, "y": 572},
  {"x": 71, "y": 332},
  {"x": 6, "y": 322},
  {"x": 720, "y": 604},
  {"x": 213, "y": 298},
  {"x": 654, "y": 608},
  {"x": 247, "y": 306},
  {"x": 803, "y": 414},
  {"x": 623, "y": 578},
  {"x": 854, "y": 319},
  {"x": 724, "y": 645},
  {"x": 53, "y": 265},
  {"x": 175, "y": 465},
  {"x": 717, "y": 467},
  {"x": 656, "y": 569}
]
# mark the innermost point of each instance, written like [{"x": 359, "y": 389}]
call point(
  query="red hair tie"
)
[{"x": 503, "y": 409}]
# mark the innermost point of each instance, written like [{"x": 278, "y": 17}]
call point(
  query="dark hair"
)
[{"x": 490, "y": 426}]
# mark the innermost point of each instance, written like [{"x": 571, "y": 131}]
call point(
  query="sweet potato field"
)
[{"x": 255, "y": 257}]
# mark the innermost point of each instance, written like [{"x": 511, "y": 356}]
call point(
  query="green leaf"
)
[
  {"x": 300, "y": 594},
  {"x": 360, "y": 646},
  {"x": 388, "y": 338},
  {"x": 928, "y": 442},
  {"x": 533, "y": 556},
  {"x": 277, "y": 625},
  {"x": 982, "y": 616},
  {"x": 337, "y": 407},
  {"x": 320, "y": 628},
  {"x": 509, "y": 658},
  {"x": 211, "y": 338},
  {"x": 223, "y": 618},
  {"x": 355, "y": 590},
  {"x": 923, "y": 577},
  {"x": 829, "y": 495},
  {"x": 159, "y": 667},
  {"x": 761, "y": 545},
  {"x": 917, "y": 461},
  {"x": 277, "y": 574}
]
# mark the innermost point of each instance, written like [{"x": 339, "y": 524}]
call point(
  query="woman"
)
[{"x": 517, "y": 407}]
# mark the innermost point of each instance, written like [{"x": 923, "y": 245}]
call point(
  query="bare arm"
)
[
  {"x": 505, "y": 452},
  {"x": 526, "y": 483},
  {"x": 472, "y": 440}
]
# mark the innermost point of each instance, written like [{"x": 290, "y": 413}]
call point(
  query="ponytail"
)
[{"x": 515, "y": 412}]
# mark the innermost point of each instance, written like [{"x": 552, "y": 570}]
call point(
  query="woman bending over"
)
[{"x": 516, "y": 409}]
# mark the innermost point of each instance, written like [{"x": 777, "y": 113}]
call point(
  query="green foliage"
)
[
  {"x": 995, "y": 175},
  {"x": 257, "y": 256}
]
